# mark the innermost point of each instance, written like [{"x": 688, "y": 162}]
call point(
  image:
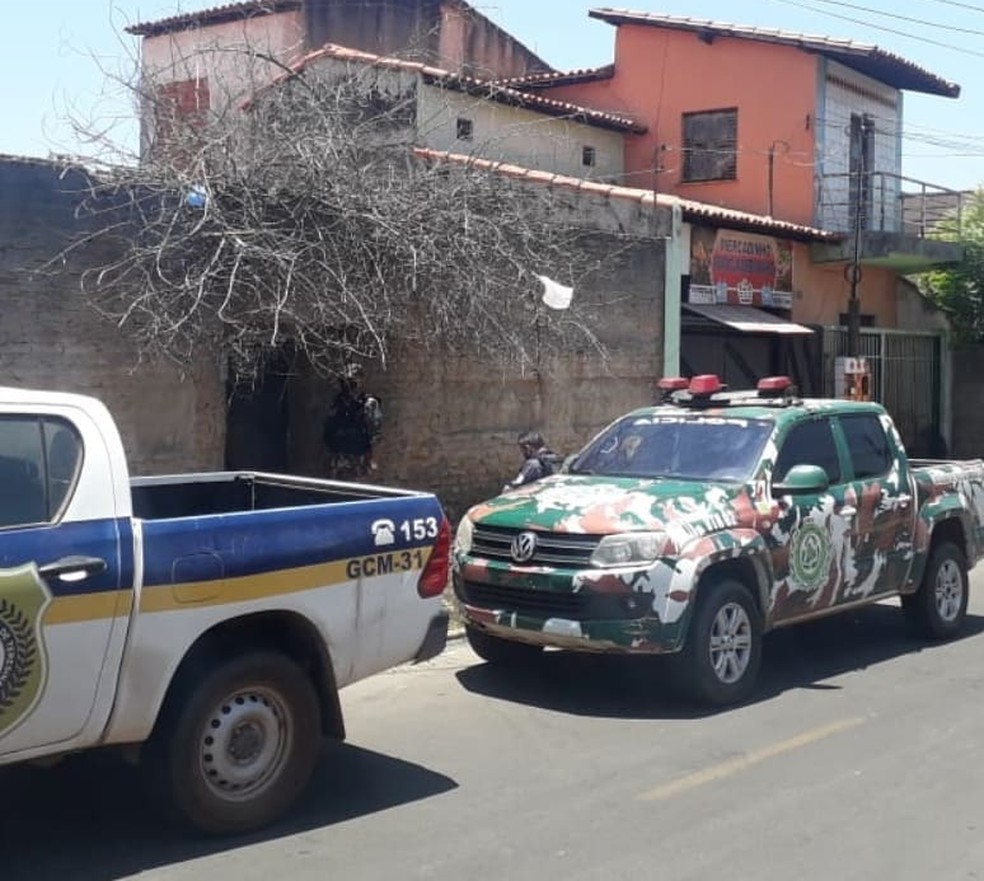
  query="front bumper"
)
[{"x": 640, "y": 635}]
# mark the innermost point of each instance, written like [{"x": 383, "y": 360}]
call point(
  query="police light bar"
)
[
  {"x": 673, "y": 384},
  {"x": 774, "y": 386},
  {"x": 705, "y": 385}
]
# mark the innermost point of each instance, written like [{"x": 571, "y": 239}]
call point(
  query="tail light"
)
[{"x": 434, "y": 578}]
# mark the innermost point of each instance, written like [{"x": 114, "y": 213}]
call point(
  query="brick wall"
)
[
  {"x": 51, "y": 339},
  {"x": 451, "y": 422}
]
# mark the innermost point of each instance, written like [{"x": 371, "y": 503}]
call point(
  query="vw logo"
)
[{"x": 523, "y": 547}]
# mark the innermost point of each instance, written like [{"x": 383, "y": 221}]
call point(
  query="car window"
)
[
  {"x": 40, "y": 460},
  {"x": 683, "y": 447},
  {"x": 809, "y": 443},
  {"x": 868, "y": 445}
]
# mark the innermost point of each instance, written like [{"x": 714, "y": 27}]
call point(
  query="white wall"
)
[
  {"x": 516, "y": 135},
  {"x": 845, "y": 92}
]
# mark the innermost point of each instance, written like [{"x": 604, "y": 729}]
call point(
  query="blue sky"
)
[{"x": 59, "y": 57}]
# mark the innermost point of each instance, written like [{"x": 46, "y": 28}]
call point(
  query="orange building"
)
[{"x": 800, "y": 128}]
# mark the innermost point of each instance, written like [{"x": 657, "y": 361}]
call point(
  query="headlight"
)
[
  {"x": 463, "y": 537},
  {"x": 629, "y": 548}
]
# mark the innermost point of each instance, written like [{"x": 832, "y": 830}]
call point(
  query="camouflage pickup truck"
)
[{"x": 692, "y": 527}]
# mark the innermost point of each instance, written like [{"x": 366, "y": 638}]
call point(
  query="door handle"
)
[{"x": 73, "y": 568}]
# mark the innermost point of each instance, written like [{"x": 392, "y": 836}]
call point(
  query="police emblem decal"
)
[
  {"x": 23, "y": 663},
  {"x": 810, "y": 555}
]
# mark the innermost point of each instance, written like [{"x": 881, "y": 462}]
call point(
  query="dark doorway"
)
[
  {"x": 742, "y": 359},
  {"x": 257, "y": 423}
]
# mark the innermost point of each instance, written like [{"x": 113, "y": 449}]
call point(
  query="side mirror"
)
[{"x": 802, "y": 479}]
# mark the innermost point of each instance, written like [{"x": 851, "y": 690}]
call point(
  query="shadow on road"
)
[
  {"x": 802, "y": 656},
  {"x": 89, "y": 820}
]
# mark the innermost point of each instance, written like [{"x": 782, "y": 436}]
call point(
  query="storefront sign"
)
[{"x": 741, "y": 269}]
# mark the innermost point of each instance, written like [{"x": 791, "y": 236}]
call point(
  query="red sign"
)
[{"x": 740, "y": 268}]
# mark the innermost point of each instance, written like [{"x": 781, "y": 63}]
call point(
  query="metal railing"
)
[{"x": 886, "y": 202}]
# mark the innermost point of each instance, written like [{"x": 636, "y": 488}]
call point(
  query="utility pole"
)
[{"x": 860, "y": 128}]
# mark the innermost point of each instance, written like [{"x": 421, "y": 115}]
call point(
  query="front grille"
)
[
  {"x": 583, "y": 606},
  {"x": 571, "y": 550},
  {"x": 541, "y": 603}
]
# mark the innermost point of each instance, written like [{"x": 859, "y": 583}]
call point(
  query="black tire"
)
[
  {"x": 937, "y": 610},
  {"x": 260, "y": 704},
  {"x": 718, "y": 675},
  {"x": 501, "y": 652}
]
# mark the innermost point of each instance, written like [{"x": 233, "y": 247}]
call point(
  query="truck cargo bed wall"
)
[{"x": 234, "y": 493}]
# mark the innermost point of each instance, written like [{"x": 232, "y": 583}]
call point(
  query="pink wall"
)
[
  {"x": 820, "y": 291},
  {"x": 191, "y": 54},
  {"x": 661, "y": 74}
]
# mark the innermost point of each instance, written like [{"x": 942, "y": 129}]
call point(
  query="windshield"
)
[{"x": 690, "y": 447}]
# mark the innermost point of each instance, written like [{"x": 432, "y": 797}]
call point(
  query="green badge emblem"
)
[
  {"x": 809, "y": 556},
  {"x": 23, "y": 661}
]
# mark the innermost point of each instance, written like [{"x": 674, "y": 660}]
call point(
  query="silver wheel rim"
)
[
  {"x": 949, "y": 590},
  {"x": 731, "y": 643},
  {"x": 244, "y": 744}
]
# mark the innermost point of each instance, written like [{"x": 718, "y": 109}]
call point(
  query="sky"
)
[{"x": 61, "y": 61}]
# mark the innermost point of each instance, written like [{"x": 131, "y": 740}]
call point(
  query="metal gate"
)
[{"x": 906, "y": 377}]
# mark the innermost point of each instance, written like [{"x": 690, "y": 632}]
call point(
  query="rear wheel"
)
[
  {"x": 938, "y": 608},
  {"x": 502, "y": 652},
  {"x": 720, "y": 661},
  {"x": 236, "y": 747}
]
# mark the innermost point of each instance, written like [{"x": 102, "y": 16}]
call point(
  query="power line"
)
[
  {"x": 961, "y": 5},
  {"x": 877, "y": 27},
  {"x": 895, "y": 15}
]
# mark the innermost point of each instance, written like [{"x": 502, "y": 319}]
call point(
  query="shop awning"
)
[{"x": 746, "y": 319}]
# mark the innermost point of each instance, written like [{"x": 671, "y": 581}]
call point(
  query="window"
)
[
  {"x": 40, "y": 460},
  {"x": 867, "y": 444},
  {"x": 589, "y": 156},
  {"x": 694, "y": 448},
  {"x": 809, "y": 443},
  {"x": 465, "y": 129},
  {"x": 710, "y": 145}
]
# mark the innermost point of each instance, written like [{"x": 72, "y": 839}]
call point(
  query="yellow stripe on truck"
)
[
  {"x": 88, "y": 607},
  {"x": 223, "y": 591}
]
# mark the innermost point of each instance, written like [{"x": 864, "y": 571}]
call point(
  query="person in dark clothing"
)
[
  {"x": 352, "y": 428},
  {"x": 539, "y": 460}
]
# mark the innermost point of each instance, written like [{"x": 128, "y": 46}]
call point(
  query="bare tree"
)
[{"x": 301, "y": 217}]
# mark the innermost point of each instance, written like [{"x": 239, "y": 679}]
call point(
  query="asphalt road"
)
[{"x": 862, "y": 758}]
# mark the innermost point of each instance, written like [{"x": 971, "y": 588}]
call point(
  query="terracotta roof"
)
[
  {"x": 559, "y": 77},
  {"x": 215, "y": 15},
  {"x": 862, "y": 57},
  {"x": 692, "y": 211},
  {"x": 472, "y": 86}
]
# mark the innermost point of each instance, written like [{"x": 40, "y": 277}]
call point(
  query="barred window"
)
[{"x": 710, "y": 145}]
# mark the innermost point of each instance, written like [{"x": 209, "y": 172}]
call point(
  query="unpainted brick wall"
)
[
  {"x": 451, "y": 422},
  {"x": 50, "y": 338}
]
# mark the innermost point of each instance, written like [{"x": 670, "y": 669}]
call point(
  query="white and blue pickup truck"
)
[{"x": 203, "y": 622}]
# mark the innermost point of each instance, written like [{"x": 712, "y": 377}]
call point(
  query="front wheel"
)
[
  {"x": 720, "y": 661},
  {"x": 938, "y": 608},
  {"x": 502, "y": 652},
  {"x": 236, "y": 747}
]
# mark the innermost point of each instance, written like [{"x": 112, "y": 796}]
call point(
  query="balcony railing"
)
[{"x": 885, "y": 202}]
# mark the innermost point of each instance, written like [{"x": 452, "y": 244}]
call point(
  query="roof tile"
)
[
  {"x": 215, "y": 15},
  {"x": 691, "y": 210},
  {"x": 478, "y": 87},
  {"x": 866, "y": 58}
]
